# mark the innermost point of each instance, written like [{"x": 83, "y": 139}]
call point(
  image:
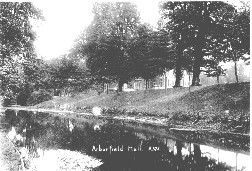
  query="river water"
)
[{"x": 124, "y": 146}]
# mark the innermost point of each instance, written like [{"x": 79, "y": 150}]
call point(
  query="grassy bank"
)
[{"x": 223, "y": 107}]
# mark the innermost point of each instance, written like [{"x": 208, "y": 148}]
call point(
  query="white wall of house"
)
[
  {"x": 168, "y": 80},
  {"x": 160, "y": 82}
]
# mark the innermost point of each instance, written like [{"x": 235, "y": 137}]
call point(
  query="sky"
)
[{"x": 66, "y": 19}]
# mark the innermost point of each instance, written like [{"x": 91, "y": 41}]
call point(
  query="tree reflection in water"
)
[{"x": 139, "y": 151}]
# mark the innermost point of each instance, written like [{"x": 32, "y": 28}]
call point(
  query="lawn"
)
[{"x": 227, "y": 105}]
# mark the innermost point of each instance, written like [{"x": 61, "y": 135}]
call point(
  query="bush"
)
[
  {"x": 39, "y": 97},
  {"x": 6, "y": 102}
]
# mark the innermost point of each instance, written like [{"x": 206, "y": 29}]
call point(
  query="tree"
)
[
  {"x": 238, "y": 36},
  {"x": 149, "y": 50},
  {"x": 34, "y": 76},
  {"x": 107, "y": 41},
  {"x": 67, "y": 73},
  {"x": 215, "y": 72},
  {"x": 175, "y": 21},
  {"x": 195, "y": 24},
  {"x": 231, "y": 41},
  {"x": 161, "y": 52},
  {"x": 17, "y": 39}
]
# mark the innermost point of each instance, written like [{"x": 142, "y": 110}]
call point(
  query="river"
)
[{"x": 128, "y": 146}]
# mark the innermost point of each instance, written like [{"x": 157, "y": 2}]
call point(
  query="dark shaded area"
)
[{"x": 221, "y": 97}]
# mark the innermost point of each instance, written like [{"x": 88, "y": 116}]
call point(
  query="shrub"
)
[
  {"x": 39, "y": 97},
  {"x": 6, "y": 102}
]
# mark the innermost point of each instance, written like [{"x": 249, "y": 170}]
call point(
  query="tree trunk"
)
[
  {"x": 197, "y": 157},
  {"x": 200, "y": 42},
  {"x": 179, "y": 148},
  {"x": 189, "y": 85},
  {"x": 146, "y": 84},
  {"x": 107, "y": 86},
  {"x": 2, "y": 75},
  {"x": 179, "y": 155},
  {"x": 236, "y": 74},
  {"x": 196, "y": 72},
  {"x": 104, "y": 87},
  {"x": 120, "y": 85},
  {"x": 198, "y": 59},
  {"x": 165, "y": 84},
  {"x": 178, "y": 65},
  {"x": 218, "y": 79},
  {"x": 178, "y": 73}
]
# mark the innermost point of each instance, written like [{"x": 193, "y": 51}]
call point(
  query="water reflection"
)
[{"x": 119, "y": 147}]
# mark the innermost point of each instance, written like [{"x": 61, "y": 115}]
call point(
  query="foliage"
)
[
  {"x": 35, "y": 76},
  {"x": 23, "y": 78},
  {"x": 199, "y": 28},
  {"x": 149, "y": 51},
  {"x": 239, "y": 31},
  {"x": 39, "y": 97},
  {"x": 230, "y": 74},
  {"x": 17, "y": 48},
  {"x": 107, "y": 41},
  {"x": 119, "y": 48},
  {"x": 16, "y": 32},
  {"x": 215, "y": 72},
  {"x": 175, "y": 21},
  {"x": 11, "y": 79},
  {"x": 238, "y": 37},
  {"x": 68, "y": 73}
]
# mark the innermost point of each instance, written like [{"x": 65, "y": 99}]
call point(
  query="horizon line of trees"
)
[
  {"x": 117, "y": 47},
  {"x": 190, "y": 36}
]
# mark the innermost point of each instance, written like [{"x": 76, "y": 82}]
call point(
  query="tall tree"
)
[
  {"x": 238, "y": 36},
  {"x": 107, "y": 41},
  {"x": 176, "y": 22},
  {"x": 201, "y": 21},
  {"x": 17, "y": 39},
  {"x": 148, "y": 51},
  {"x": 231, "y": 41}
]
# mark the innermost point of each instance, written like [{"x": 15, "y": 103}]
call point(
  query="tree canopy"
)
[
  {"x": 16, "y": 44},
  {"x": 108, "y": 38},
  {"x": 202, "y": 28},
  {"x": 67, "y": 73},
  {"x": 16, "y": 33},
  {"x": 119, "y": 48}
]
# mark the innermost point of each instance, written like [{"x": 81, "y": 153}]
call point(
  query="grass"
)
[
  {"x": 141, "y": 101},
  {"x": 225, "y": 106}
]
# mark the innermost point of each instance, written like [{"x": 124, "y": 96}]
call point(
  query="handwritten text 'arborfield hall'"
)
[{"x": 121, "y": 148}]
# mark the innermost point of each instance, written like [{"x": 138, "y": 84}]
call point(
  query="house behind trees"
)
[{"x": 167, "y": 80}]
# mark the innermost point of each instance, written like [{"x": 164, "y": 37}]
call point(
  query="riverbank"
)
[
  {"x": 9, "y": 158},
  {"x": 82, "y": 134},
  {"x": 223, "y": 107},
  {"x": 15, "y": 158},
  {"x": 146, "y": 120}
]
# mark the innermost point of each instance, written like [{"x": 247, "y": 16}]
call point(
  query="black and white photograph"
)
[{"x": 125, "y": 85}]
